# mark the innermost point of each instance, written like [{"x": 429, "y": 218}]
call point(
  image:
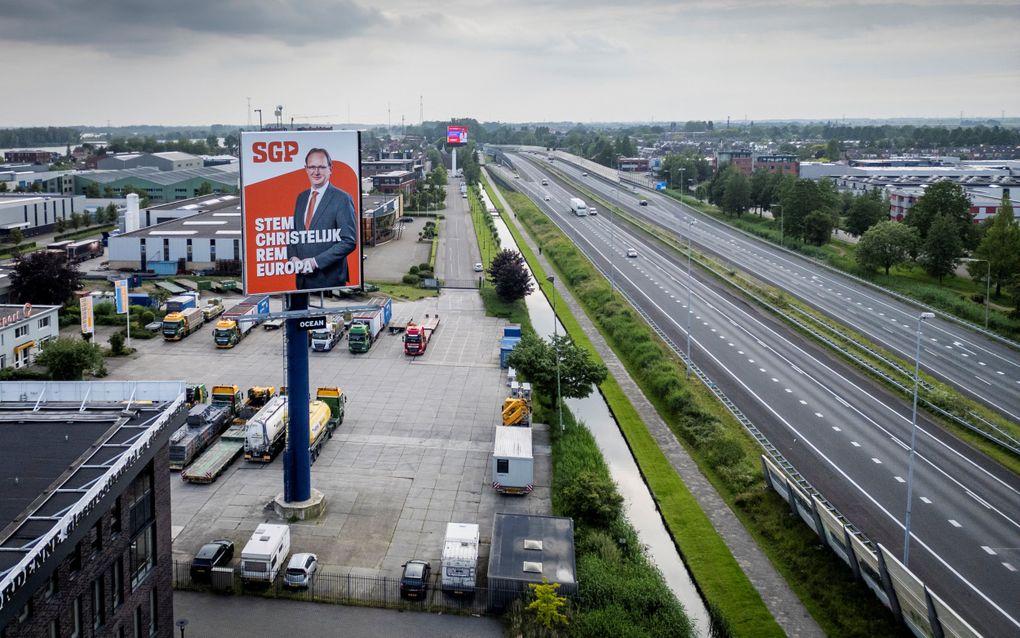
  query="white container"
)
[{"x": 513, "y": 465}]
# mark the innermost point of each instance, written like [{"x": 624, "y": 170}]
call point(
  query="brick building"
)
[
  {"x": 30, "y": 157},
  {"x": 86, "y": 508},
  {"x": 747, "y": 162}
]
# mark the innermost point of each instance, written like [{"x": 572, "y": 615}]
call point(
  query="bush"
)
[
  {"x": 414, "y": 270},
  {"x": 117, "y": 344},
  {"x": 411, "y": 280},
  {"x": 592, "y": 499}
]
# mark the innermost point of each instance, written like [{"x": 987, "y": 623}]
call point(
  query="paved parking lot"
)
[{"x": 412, "y": 454}]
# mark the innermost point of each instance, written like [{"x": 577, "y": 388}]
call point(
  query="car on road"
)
[
  {"x": 546, "y": 198},
  {"x": 406, "y": 219},
  {"x": 631, "y": 252},
  {"x": 300, "y": 570},
  {"x": 643, "y": 202},
  {"x": 479, "y": 267},
  {"x": 414, "y": 582},
  {"x": 218, "y": 553},
  {"x": 592, "y": 210},
  {"x": 585, "y": 174}
]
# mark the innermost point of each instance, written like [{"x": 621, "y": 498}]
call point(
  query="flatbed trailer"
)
[{"x": 211, "y": 463}]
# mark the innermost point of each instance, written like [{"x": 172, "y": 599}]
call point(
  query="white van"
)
[
  {"x": 266, "y": 553},
  {"x": 460, "y": 558}
]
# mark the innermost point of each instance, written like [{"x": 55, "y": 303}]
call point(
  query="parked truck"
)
[
  {"x": 79, "y": 251},
  {"x": 460, "y": 559},
  {"x": 323, "y": 340},
  {"x": 417, "y": 336},
  {"x": 204, "y": 424},
  {"x": 242, "y": 405},
  {"x": 213, "y": 308},
  {"x": 320, "y": 427},
  {"x": 179, "y": 303},
  {"x": 236, "y": 323},
  {"x": 265, "y": 553},
  {"x": 513, "y": 466},
  {"x": 211, "y": 463},
  {"x": 578, "y": 207},
  {"x": 178, "y": 325},
  {"x": 265, "y": 432},
  {"x": 366, "y": 326}
]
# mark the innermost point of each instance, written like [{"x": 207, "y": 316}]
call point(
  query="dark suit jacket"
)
[{"x": 336, "y": 210}]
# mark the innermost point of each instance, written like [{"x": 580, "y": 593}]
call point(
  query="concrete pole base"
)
[{"x": 300, "y": 510}]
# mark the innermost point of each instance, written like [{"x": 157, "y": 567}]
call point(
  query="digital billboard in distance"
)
[{"x": 456, "y": 135}]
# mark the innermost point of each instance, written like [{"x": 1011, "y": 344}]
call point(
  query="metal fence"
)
[{"x": 346, "y": 588}]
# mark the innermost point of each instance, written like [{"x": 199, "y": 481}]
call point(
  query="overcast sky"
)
[{"x": 198, "y": 61}]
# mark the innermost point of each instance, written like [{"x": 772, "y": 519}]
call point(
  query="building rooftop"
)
[
  {"x": 64, "y": 443},
  {"x": 223, "y": 173},
  {"x": 175, "y": 156}
]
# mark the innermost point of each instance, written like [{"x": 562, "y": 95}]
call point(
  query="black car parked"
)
[
  {"x": 215, "y": 554},
  {"x": 414, "y": 583}
]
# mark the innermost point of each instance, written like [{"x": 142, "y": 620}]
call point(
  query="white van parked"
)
[
  {"x": 266, "y": 553},
  {"x": 460, "y": 558}
]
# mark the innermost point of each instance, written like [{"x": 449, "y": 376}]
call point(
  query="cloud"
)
[{"x": 142, "y": 26}]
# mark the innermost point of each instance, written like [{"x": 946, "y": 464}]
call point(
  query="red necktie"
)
[{"x": 311, "y": 209}]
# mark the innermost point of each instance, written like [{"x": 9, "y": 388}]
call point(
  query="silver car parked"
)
[{"x": 300, "y": 570}]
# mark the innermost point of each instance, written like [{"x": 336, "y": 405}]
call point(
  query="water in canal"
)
[{"x": 638, "y": 502}]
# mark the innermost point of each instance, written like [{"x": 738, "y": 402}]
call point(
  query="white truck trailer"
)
[
  {"x": 578, "y": 207},
  {"x": 325, "y": 339},
  {"x": 460, "y": 559},
  {"x": 513, "y": 465},
  {"x": 266, "y": 552},
  {"x": 265, "y": 432}
]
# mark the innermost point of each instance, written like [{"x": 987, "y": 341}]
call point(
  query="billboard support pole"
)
[
  {"x": 453, "y": 151},
  {"x": 297, "y": 483}
]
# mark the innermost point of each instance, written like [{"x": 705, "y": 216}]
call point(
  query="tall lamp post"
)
[
  {"x": 259, "y": 111},
  {"x": 988, "y": 282},
  {"x": 682, "y": 170},
  {"x": 559, "y": 399},
  {"x": 913, "y": 438},
  {"x": 782, "y": 223},
  {"x": 612, "y": 245},
  {"x": 690, "y": 286}
]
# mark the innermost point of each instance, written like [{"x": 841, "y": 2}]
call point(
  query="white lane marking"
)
[
  {"x": 835, "y": 428},
  {"x": 982, "y": 380},
  {"x": 899, "y": 479},
  {"x": 840, "y": 399},
  {"x": 988, "y": 550},
  {"x": 761, "y": 369},
  {"x": 977, "y": 498},
  {"x": 855, "y": 444},
  {"x": 1009, "y": 567},
  {"x": 926, "y": 500},
  {"x": 803, "y": 402},
  {"x": 954, "y": 523},
  {"x": 876, "y": 461},
  {"x": 775, "y": 380},
  {"x": 788, "y": 389},
  {"x": 819, "y": 415}
]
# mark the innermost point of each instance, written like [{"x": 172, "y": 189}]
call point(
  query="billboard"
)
[
  {"x": 300, "y": 210},
  {"x": 456, "y": 135},
  {"x": 120, "y": 294},
  {"x": 88, "y": 325}
]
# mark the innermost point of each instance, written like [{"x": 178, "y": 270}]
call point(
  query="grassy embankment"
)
[{"x": 720, "y": 446}]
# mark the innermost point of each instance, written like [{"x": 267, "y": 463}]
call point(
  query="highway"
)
[
  {"x": 981, "y": 367},
  {"x": 845, "y": 434}
]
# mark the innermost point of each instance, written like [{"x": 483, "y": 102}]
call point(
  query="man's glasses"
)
[{"x": 313, "y": 169}]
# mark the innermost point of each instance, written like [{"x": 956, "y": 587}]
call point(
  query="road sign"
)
[{"x": 312, "y": 323}]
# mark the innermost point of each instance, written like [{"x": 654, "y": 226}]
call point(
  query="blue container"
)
[
  {"x": 513, "y": 330},
  {"x": 140, "y": 299},
  {"x": 506, "y": 346}
]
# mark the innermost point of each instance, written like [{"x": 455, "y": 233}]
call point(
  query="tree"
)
[
  {"x": 61, "y": 224},
  {"x": 547, "y": 604},
  {"x": 117, "y": 343},
  {"x": 510, "y": 276},
  {"x": 941, "y": 251},
  {"x": 832, "y": 150},
  {"x": 1013, "y": 290},
  {"x": 76, "y": 220},
  {"x": 943, "y": 198},
  {"x": 68, "y": 359},
  {"x": 205, "y": 188},
  {"x": 1000, "y": 247},
  {"x": 866, "y": 211},
  {"x": 762, "y": 189},
  {"x": 591, "y": 499},
  {"x": 886, "y": 244},
  {"x": 92, "y": 190},
  {"x": 535, "y": 360},
  {"x": 818, "y": 227},
  {"x": 111, "y": 213},
  {"x": 799, "y": 198},
  {"x": 3, "y": 187},
  {"x": 44, "y": 278},
  {"x": 16, "y": 236},
  {"x": 213, "y": 143},
  {"x": 736, "y": 194}
]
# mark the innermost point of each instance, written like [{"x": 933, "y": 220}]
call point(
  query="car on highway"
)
[
  {"x": 592, "y": 210},
  {"x": 414, "y": 582},
  {"x": 643, "y": 202},
  {"x": 218, "y": 553},
  {"x": 300, "y": 570},
  {"x": 546, "y": 198},
  {"x": 479, "y": 267},
  {"x": 585, "y": 174},
  {"x": 631, "y": 252}
]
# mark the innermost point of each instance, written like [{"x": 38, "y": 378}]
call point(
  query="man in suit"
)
[{"x": 324, "y": 212}]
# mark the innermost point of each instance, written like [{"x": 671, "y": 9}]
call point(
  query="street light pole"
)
[
  {"x": 559, "y": 397},
  {"x": 913, "y": 438},
  {"x": 682, "y": 170},
  {"x": 612, "y": 246},
  {"x": 782, "y": 223},
  {"x": 690, "y": 287},
  {"x": 988, "y": 282}
]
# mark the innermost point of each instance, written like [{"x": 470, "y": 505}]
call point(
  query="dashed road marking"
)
[
  {"x": 954, "y": 523},
  {"x": 988, "y": 550},
  {"x": 899, "y": 479}
]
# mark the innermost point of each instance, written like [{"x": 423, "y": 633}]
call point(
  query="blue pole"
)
[{"x": 297, "y": 467}]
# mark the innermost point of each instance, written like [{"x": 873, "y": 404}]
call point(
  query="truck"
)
[
  {"x": 578, "y": 207},
  {"x": 213, "y": 308},
  {"x": 401, "y": 324},
  {"x": 265, "y": 553},
  {"x": 366, "y": 326},
  {"x": 324, "y": 339},
  {"x": 513, "y": 465},
  {"x": 178, "y": 325},
  {"x": 460, "y": 559},
  {"x": 242, "y": 405},
  {"x": 417, "y": 336},
  {"x": 236, "y": 323},
  {"x": 320, "y": 427},
  {"x": 196, "y": 393},
  {"x": 265, "y": 432},
  {"x": 85, "y": 249},
  {"x": 204, "y": 423},
  {"x": 179, "y": 303},
  {"x": 211, "y": 463}
]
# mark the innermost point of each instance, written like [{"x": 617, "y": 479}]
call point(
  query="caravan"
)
[
  {"x": 266, "y": 553},
  {"x": 460, "y": 558}
]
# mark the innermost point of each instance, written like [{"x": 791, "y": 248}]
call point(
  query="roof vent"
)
[
  {"x": 533, "y": 567},
  {"x": 530, "y": 543}
]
